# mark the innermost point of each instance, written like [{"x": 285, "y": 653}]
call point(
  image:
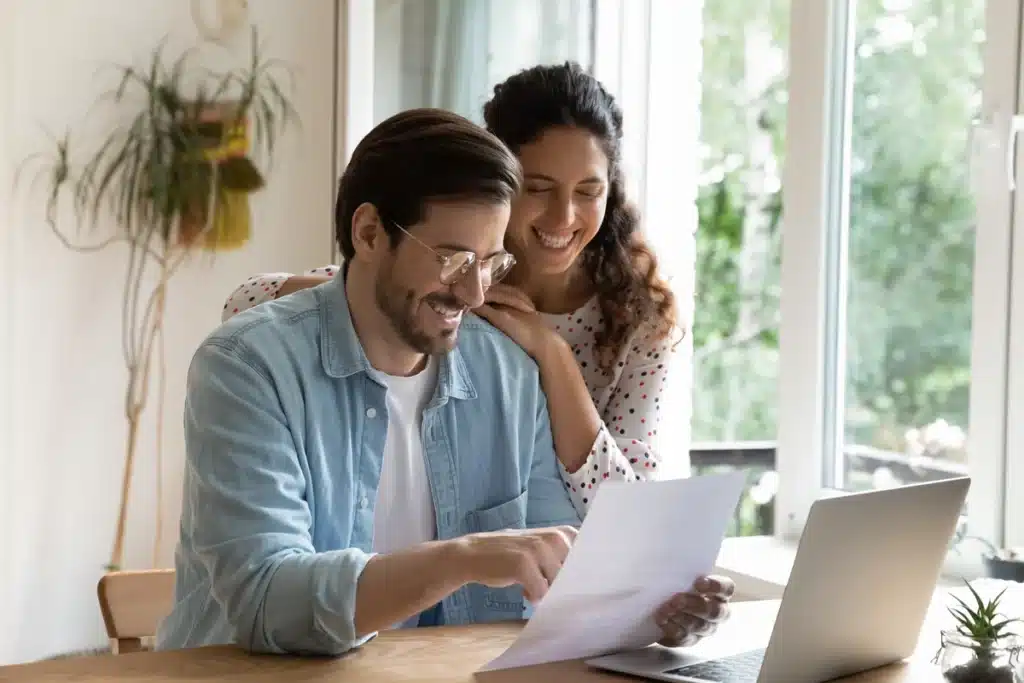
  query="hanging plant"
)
[{"x": 172, "y": 179}]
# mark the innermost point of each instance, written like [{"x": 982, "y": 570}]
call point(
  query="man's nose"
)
[{"x": 470, "y": 288}]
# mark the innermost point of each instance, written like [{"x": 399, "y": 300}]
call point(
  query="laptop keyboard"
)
[{"x": 741, "y": 668}]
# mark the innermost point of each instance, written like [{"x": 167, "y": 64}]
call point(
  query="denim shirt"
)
[{"x": 285, "y": 422}]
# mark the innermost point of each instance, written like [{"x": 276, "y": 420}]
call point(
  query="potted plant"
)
[
  {"x": 170, "y": 177},
  {"x": 1006, "y": 564},
  {"x": 980, "y": 649}
]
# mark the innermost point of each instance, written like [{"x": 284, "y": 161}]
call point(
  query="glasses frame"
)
[{"x": 445, "y": 261}]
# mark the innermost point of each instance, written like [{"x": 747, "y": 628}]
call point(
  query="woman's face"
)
[{"x": 563, "y": 201}]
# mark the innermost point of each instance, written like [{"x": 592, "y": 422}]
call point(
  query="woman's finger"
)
[
  {"x": 496, "y": 317},
  {"x": 509, "y": 296}
]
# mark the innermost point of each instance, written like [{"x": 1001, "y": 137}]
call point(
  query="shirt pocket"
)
[
  {"x": 497, "y": 604},
  {"x": 508, "y": 515}
]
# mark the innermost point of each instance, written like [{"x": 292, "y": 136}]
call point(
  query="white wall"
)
[{"x": 61, "y": 369}]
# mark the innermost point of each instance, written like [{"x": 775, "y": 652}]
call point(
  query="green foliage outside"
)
[{"x": 917, "y": 71}]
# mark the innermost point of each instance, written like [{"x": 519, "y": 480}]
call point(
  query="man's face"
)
[{"x": 425, "y": 313}]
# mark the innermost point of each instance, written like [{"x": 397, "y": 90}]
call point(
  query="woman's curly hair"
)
[{"x": 620, "y": 264}]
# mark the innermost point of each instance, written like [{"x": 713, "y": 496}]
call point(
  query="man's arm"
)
[
  {"x": 548, "y": 502},
  {"x": 246, "y": 489},
  {"x": 251, "y": 528}
]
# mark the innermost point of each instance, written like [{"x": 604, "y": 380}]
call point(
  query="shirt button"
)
[
  {"x": 371, "y": 413},
  {"x": 364, "y": 502}
]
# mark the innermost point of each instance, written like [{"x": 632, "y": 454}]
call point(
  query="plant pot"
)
[
  {"x": 964, "y": 660},
  {"x": 1004, "y": 568}
]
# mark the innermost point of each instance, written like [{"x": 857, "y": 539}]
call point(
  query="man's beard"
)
[{"x": 400, "y": 307}]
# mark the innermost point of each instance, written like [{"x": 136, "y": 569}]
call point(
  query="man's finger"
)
[
  {"x": 679, "y": 639},
  {"x": 549, "y": 561},
  {"x": 535, "y": 585},
  {"x": 686, "y": 622},
  {"x": 719, "y": 610},
  {"x": 560, "y": 540},
  {"x": 689, "y": 603},
  {"x": 706, "y": 629},
  {"x": 719, "y": 586}
]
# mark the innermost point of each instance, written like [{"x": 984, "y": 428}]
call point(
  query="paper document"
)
[{"x": 641, "y": 543}]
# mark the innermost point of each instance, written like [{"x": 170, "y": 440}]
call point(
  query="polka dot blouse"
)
[{"x": 628, "y": 396}]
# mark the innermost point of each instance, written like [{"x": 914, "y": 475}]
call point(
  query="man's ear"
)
[{"x": 368, "y": 235}]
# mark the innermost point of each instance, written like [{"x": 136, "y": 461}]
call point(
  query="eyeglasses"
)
[{"x": 456, "y": 265}]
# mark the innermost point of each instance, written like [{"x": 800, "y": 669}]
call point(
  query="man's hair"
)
[{"x": 417, "y": 157}]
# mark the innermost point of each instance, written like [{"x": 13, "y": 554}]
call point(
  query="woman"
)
[{"x": 585, "y": 299}]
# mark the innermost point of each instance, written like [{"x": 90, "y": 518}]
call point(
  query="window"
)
[
  {"x": 895, "y": 270},
  {"x": 851, "y": 318},
  {"x": 849, "y": 165},
  {"x": 399, "y": 54},
  {"x": 451, "y": 53},
  {"x": 741, "y": 154},
  {"x": 910, "y": 233}
]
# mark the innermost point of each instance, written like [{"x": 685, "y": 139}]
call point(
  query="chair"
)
[{"x": 133, "y": 603}]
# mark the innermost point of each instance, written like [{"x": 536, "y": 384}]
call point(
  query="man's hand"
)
[
  {"x": 688, "y": 617},
  {"x": 527, "y": 557}
]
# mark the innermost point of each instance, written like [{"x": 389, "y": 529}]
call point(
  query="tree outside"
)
[{"x": 917, "y": 69}]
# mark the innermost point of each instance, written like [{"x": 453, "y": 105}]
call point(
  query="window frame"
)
[
  {"x": 1014, "y": 463},
  {"x": 812, "y": 335},
  {"x": 353, "y": 87},
  {"x": 621, "y": 61}
]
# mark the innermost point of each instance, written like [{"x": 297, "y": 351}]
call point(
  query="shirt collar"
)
[{"x": 342, "y": 353}]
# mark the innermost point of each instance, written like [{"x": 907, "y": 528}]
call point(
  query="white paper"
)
[{"x": 641, "y": 543}]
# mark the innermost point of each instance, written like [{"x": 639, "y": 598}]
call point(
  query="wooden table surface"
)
[{"x": 434, "y": 655}]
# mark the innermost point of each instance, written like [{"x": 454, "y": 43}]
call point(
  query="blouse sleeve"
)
[
  {"x": 624, "y": 449},
  {"x": 263, "y": 287}
]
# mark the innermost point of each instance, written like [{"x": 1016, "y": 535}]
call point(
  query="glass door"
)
[{"x": 895, "y": 267}]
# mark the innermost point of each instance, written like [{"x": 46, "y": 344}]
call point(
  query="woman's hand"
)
[
  {"x": 689, "y": 617},
  {"x": 506, "y": 295},
  {"x": 513, "y": 313}
]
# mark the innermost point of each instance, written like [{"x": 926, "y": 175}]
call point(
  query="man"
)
[{"x": 365, "y": 454}]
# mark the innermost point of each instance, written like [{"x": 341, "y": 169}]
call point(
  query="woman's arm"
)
[
  {"x": 592, "y": 447},
  {"x": 269, "y": 286},
  {"x": 625, "y": 445},
  {"x": 575, "y": 422}
]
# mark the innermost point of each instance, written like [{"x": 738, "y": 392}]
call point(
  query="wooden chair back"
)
[{"x": 133, "y": 603}]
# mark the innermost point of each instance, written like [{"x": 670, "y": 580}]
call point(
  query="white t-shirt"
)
[{"x": 404, "y": 513}]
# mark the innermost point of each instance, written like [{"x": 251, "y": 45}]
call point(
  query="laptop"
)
[{"x": 861, "y": 584}]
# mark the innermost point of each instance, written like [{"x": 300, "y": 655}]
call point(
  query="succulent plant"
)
[{"x": 981, "y": 623}]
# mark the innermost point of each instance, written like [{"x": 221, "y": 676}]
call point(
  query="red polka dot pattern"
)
[
  {"x": 628, "y": 398},
  {"x": 263, "y": 287}
]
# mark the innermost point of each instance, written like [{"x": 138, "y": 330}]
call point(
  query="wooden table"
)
[{"x": 436, "y": 655}]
